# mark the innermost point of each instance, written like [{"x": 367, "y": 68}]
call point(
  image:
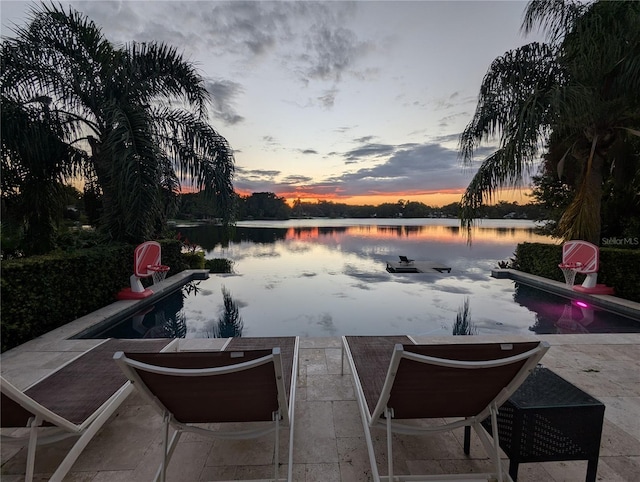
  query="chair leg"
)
[
  {"x": 388, "y": 413},
  {"x": 496, "y": 443},
  {"x": 31, "y": 448},
  {"x": 291, "y": 434},
  {"x": 165, "y": 448},
  {"x": 168, "y": 453},
  {"x": 276, "y": 448}
]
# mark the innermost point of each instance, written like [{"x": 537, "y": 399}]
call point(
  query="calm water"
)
[{"x": 328, "y": 278}]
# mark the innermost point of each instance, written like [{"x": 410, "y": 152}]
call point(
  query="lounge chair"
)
[
  {"x": 405, "y": 260},
  {"x": 251, "y": 380},
  {"x": 77, "y": 399},
  {"x": 396, "y": 379}
]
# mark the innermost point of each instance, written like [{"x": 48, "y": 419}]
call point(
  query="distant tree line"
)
[{"x": 267, "y": 205}]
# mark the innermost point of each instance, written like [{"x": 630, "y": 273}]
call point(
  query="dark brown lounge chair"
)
[
  {"x": 396, "y": 379},
  {"x": 251, "y": 380}
]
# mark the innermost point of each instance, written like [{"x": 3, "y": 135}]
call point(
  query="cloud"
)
[
  {"x": 297, "y": 179},
  {"x": 257, "y": 174},
  {"x": 223, "y": 93},
  {"x": 328, "y": 98},
  {"x": 330, "y": 51},
  {"x": 368, "y": 151},
  {"x": 406, "y": 170}
]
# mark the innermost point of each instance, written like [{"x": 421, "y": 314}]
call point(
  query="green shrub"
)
[
  {"x": 195, "y": 259},
  {"x": 219, "y": 265},
  {"x": 41, "y": 293}
]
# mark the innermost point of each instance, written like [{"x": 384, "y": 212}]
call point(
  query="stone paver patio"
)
[{"x": 329, "y": 439}]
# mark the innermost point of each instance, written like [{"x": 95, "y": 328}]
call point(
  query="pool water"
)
[{"x": 329, "y": 278}]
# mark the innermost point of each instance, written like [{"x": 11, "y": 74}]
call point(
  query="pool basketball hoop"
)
[
  {"x": 146, "y": 262},
  {"x": 582, "y": 257}
]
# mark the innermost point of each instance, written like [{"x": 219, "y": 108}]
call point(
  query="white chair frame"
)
[
  {"x": 284, "y": 415},
  {"x": 492, "y": 447}
]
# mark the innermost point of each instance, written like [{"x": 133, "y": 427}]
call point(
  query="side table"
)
[{"x": 548, "y": 419}]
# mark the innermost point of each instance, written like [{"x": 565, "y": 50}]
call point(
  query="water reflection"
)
[
  {"x": 230, "y": 324},
  {"x": 163, "y": 320},
  {"x": 211, "y": 237},
  {"x": 555, "y": 314},
  {"x": 329, "y": 278}
]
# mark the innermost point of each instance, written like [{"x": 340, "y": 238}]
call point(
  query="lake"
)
[{"x": 324, "y": 277}]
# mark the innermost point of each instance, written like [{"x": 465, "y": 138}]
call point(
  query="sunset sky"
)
[{"x": 359, "y": 102}]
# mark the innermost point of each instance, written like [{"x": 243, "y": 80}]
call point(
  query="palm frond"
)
[
  {"x": 498, "y": 170},
  {"x": 202, "y": 157},
  {"x": 513, "y": 103},
  {"x": 554, "y": 17},
  {"x": 158, "y": 70}
]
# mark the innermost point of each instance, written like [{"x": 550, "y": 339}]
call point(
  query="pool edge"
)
[{"x": 620, "y": 306}]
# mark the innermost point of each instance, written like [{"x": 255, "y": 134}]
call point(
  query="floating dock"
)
[{"x": 417, "y": 266}]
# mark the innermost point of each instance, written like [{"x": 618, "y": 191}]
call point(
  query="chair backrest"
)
[
  {"x": 460, "y": 380},
  {"x": 582, "y": 252},
  {"x": 146, "y": 254},
  {"x": 201, "y": 387}
]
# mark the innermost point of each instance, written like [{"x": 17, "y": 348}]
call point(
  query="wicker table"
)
[{"x": 548, "y": 419}]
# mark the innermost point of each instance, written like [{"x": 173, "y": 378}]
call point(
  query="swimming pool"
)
[{"x": 328, "y": 278}]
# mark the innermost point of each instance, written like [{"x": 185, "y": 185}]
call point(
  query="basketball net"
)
[
  {"x": 569, "y": 271},
  {"x": 158, "y": 272}
]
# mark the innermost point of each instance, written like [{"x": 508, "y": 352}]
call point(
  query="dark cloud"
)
[
  {"x": 407, "y": 169},
  {"x": 252, "y": 30},
  {"x": 368, "y": 151},
  {"x": 328, "y": 98},
  {"x": 256, "y": 174},
  {"x": 330, "y": 52},
  {"x": 297, "y": 179},
  {"x": 223, "y": 94},
  {"x": 411, "y": 168}
]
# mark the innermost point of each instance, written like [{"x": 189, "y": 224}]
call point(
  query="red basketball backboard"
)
[
  {"x": 146, "y": 254},
  {"x": 582, "y": 254}
]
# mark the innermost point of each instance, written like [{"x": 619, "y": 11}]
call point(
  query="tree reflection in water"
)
[
  {"x": 230, "y": 323},
  {"x": 463, "y": 324}
]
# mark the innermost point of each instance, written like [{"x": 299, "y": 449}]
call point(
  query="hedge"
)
[
  {"x": 41, "y": 293},
  {"x": 619, "y": 268}
]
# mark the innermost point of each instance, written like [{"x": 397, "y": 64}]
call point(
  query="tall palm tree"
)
[
  {"x": 578, "y": 90},
  {"x": 139, "y": 110},
  {"x": 35, "y": 163}
]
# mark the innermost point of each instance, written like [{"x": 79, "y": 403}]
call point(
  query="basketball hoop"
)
[
  {"x": 158, "y": 272},
  {"x": 569, "y": 271}
]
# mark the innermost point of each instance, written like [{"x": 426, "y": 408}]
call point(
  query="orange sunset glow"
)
[{"x": 434, "y": 199}]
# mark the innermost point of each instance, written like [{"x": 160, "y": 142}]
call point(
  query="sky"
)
[{"x": 353, "y": 102}]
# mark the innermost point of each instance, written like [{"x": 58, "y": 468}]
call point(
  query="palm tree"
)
[
  {"x": 140, "y": 111},
  {"x": 35, "y": 163},
  {"x": 577, "y": 91}
]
